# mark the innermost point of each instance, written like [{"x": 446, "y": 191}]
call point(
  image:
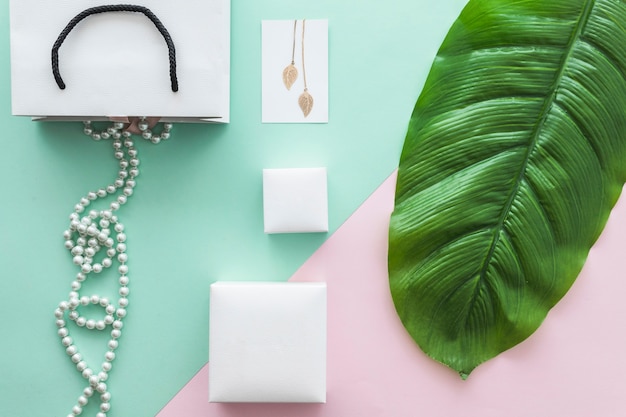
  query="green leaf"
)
[{"x": 514, "y": 157}]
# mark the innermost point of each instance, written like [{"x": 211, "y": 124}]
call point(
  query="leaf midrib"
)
[{"x": 549, "y": 102}]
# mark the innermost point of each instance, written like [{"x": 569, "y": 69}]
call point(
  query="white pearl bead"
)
[
  {"x": 134, "y": 172},
  {"x": 76, "y": 410},
  {"x": 63, "y": 332},
  {"x": 106, "y": 397},
  {"x": 110, "y": 189},
  {"x": 88, "y": 392},
  {"x": 107, "y": 366},
  {"x": 122, "y": 199},
  {"x": 74, "y": 302},
  {"x": 108, "y": 319},
  {"x": 121, "y": 313},
  {"x": 106, "y": 262},
  {"x": 124, "y": 280},
  {"x": 81, "y": 321},
  {"x": 78, "y": 260},
  {"x": 81, "y": 366},
  {"x": 71, "y": 350},
  {"x": 121, "y": 247},
  {"x": 123, "y": 302},
  {"x": 105, "y": 135},
  {"x": 122, "y": 258},
  {"x": 73, "y": 315},
  {"x": 117, "y": 324},
  {"x": 91, "y": 324},
  {"x": 110, "y": 309},
  {"x": 87, "y": 373},
  {"x": 86, "y": 268},
  {"x": 66, "y": 341},
  {"x": 123, "y": 269},
  {"x": 119, "y": 183},
  {"x": 131, "y": 184},
  {"x": 105, "y": 407},
  {"x": 103, "y": 376},
  {"x": 116, "y": 334},
  {"x": 78, "y": 208},
  {"x": 128, "y": 191},
  {"x": 113, "y": 344},
  {"x": 101, "y": 414},
  {"x": 115, "y": 206},
  {"x": 77, "y": 357},
  {"x": 109, "y": 242},
  {"x": 92, "y": 196},
  {"x": 100, "y": 325},
  {"x": 60, "y": 323},
  {"x": 109, "y": 356},
  {"x": 58, "y": 313},
  {"x": 82, "y": 401},
  {"x": 97, "y": 268},
  {"x": 124, "y": 291},
  {"x": 101, "y": 388},
  {"x": 165, "y": 135}
]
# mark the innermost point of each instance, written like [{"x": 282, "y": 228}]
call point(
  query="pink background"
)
[{"x": 573, "y": 366}]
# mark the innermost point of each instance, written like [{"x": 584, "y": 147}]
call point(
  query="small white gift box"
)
[
  {"x": 118, "y": 63},
  {"x": 267, "y": 342},
  {"x": 295, "y": 200}
]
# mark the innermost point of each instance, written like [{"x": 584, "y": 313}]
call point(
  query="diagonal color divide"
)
[{"x": 573, "y": 365}]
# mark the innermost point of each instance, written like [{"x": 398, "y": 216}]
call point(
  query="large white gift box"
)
[
  {"x": 267, "y": 342},
  {"x": 117, "y": 63},
  {"x": 295, "y": 200}
]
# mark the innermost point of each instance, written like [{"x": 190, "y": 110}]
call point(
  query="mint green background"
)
[{"x": 196, "y": 216}]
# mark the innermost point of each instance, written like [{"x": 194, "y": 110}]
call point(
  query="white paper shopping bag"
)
[{"x": 121, "y": 60}]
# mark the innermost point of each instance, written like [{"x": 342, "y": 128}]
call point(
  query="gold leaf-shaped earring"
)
[
  {"x": 306, "y": 102},
  {"x": 290, "y": 73}
]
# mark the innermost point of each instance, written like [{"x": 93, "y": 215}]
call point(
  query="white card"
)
[{"x": 280, "y": 105}]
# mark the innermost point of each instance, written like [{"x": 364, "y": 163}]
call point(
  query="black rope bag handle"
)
[{"x": 114, "y": 8}]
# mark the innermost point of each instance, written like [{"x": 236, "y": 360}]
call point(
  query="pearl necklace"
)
[{"x": 96, "y": 241}]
